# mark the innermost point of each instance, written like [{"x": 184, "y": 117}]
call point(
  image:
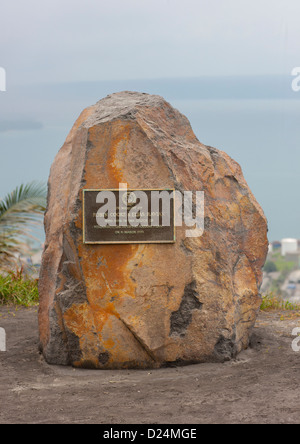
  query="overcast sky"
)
[
  {"x": 78, "y": 40},
  {"x": 53, "y": 51}
]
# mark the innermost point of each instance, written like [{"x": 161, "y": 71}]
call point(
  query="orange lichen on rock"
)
[{"x": 148, "y": 305}]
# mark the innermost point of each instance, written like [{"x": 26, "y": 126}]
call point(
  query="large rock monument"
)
[{"x": 145, "y": 305}]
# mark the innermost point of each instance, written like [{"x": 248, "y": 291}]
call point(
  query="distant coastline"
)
[{"x": 19, "y": 125}]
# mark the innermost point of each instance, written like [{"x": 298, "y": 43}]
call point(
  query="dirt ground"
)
[{"x": 260, "y": 386}]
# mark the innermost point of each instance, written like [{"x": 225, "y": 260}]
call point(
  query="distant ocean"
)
[{"x": 263, "y": 135}]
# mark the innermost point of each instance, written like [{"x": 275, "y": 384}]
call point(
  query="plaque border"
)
[{"x": 124, "y": 242}]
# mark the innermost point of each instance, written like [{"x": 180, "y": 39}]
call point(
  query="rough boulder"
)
[{"x": 148, "y": 305}]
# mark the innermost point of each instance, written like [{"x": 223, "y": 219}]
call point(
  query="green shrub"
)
[
  {"x": 272, "y": 302},
  {"x": 17, "y": 289}
]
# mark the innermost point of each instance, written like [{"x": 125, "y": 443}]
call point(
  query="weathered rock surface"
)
[{"x": 137, "y": 305}]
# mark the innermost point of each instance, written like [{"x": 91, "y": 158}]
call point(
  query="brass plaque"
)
[{"x": 128, "y": 216}]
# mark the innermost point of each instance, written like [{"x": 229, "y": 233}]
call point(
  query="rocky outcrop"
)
[{"x": 148, "y": 305}]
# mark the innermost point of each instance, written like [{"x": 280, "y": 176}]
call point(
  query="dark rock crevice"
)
[{"x": 181, "y": 319}]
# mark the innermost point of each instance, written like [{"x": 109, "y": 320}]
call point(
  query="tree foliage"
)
[{"x": 270, "y": 267}]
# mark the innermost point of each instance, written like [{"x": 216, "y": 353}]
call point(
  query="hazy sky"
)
[
  {"x": 76, "y": 40},
  {"x": 53, "y": 51}
]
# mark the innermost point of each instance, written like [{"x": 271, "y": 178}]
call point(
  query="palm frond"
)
[
  {"x": 28, "y": 199},
  {"x": 20, "y": 210}
]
